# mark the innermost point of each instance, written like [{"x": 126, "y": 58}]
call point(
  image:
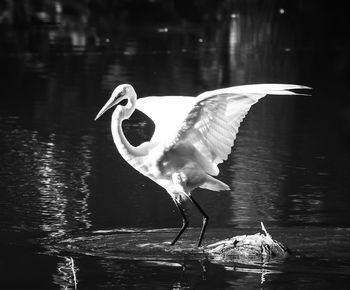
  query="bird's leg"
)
[
  {"x": 205, "y": 219},
  {"x": 184, "y": 222}
]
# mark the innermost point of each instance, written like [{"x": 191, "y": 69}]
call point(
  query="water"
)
[{"x": 66, "y": 193}]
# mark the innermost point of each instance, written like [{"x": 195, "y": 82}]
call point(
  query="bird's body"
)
[{"x": 192, "y": 136}]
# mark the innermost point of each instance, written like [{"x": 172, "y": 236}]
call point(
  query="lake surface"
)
[{"x": 67, "y": 195}]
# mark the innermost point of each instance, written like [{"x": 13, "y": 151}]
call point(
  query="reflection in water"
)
[
  {"x": 52, "y": 180},
  {"x": 257, "y": 165},
  {"x": 66, "y": 276},
  {"x": 263, "y": 168},
  {"x": 64, "y": 213}
]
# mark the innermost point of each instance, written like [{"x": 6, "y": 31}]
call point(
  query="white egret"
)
[{"x": 192, "y": 136}]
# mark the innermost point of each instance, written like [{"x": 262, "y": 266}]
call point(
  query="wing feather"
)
[{"x": 212, "y": 124}]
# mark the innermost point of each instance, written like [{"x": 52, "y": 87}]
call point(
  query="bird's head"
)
[{"x": 120, "y": 93}]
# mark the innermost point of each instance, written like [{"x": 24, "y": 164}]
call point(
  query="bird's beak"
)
[{"x": 110, "y": 103}]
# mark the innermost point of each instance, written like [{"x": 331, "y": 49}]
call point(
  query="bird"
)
[{"x": 192, "y": 136}]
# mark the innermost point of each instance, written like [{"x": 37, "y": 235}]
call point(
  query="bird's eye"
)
[{"x": 123, "y": 92}]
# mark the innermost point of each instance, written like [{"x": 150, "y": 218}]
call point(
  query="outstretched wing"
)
[{"x": 212, "y": 123}]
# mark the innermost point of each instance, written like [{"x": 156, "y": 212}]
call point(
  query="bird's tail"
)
[{"x": 214, "y": 184}]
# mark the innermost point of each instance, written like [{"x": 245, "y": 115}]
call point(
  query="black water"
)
[{"x": 66, "y": 194}]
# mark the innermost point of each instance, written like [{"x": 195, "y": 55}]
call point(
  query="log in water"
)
[
  {"x": 257, "y": 246},
  {"x": 154, "y": 244}
]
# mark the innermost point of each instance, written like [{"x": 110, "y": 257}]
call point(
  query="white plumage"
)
[{"x": 192, "y": 136}]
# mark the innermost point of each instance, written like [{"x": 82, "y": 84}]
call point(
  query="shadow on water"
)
[{"x": 64, "y": 187}]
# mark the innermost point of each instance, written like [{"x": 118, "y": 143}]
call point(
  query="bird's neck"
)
[{"x": 126, "y": 150}]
